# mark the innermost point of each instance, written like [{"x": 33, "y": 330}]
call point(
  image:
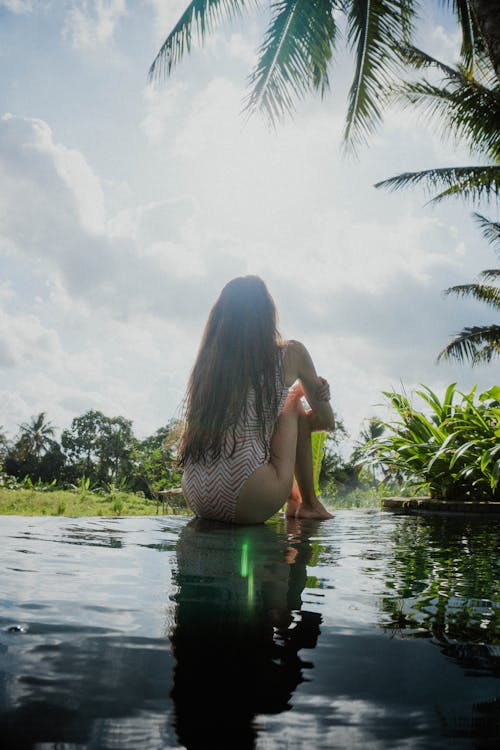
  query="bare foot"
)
[{"x": 316, "y": 509}]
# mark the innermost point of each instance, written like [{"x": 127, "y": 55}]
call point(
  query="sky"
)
[{"x": 125, "y": 208}]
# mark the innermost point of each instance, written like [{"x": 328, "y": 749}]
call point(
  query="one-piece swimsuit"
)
[{"x": 212, "y": 487}]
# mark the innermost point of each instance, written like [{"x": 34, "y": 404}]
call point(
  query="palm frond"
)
[
  {"x": 294, "y": 56},
  {"x": 472, "y": 40},
  {"x": 478, "y": 345},
  {"x": 471, "y": 183},
  {"x": 490, "y": 229},
  {"x": 490, "y": 274},
  {"x": 481, "y": 292},
  {"x": 376, "y": 31},
  {"x": 468, "y": 109},
  {"x": 419, "y": 60},
  {"x": 202, "y": 16}
]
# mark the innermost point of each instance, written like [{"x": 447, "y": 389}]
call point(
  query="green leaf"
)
[
  {"x": 471, "y": 182},
  {"x": 202, "y": 16},
  {"x": 376, "y": 31},
  {"x": 318, "y": 451},
  {"x": 294, "y": 56}
]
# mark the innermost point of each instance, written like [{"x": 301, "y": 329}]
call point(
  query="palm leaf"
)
[
  {"x": 472, "y": 40},
  {"x": 490, "y": 229},
  {"x": 491, "y": 274},
  {"x": 472, "y": 182},
  {"x": 204, "y": 16},
  {"x": 480, "y": 292},
  {"x": 468, "y": 108},
  {"x": 478, "y": 344},
  {"x": 376, "y": 31},
  {"x": 294, "y": 56}
]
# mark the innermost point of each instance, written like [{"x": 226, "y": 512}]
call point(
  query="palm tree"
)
[
  {"x": 469, "y": 109},
  {"x": 478, "y": 344},
  {"x": 302, "y": 35},
  {"x": 487, "y": 13},
  {"x": 36, "y": 435}
]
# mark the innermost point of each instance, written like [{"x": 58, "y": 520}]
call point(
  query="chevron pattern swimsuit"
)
[{"x": 212, "y": 488}]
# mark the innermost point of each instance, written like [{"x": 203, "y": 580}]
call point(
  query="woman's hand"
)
[{"x": 323, "y": 390}]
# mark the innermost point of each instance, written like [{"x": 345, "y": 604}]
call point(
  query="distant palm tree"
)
[
  {"x": 373, "y": 430},
  {"x": 478, "y": 344},
  {"x": 302, "y": 35},
  {"x": 37, "y": 435}
]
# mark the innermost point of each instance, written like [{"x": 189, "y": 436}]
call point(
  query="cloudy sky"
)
[{"x": 125, "y": 208}]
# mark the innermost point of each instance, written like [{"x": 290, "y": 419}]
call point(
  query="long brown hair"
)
[{"x": 240, "y": 350}]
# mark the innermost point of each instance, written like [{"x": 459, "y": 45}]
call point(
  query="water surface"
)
[{"x": 369, "y": 630}]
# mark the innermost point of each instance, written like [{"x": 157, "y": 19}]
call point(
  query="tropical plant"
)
[
  {"x": 454, "y": 453},
  {"x": 466, "y": 104},
  {"x": 468, "y": 107},
  {"x": 478, "y": 343},
  {"x": 297, "y": 50},
  {"x": 36, "y": 435}
]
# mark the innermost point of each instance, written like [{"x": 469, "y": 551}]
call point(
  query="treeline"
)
[
  {"x": 102, "y": 453},
  {"x": 98, "y": 451}
]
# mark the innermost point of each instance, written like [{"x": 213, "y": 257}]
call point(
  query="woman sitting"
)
[{"x": 246, "y": 444}]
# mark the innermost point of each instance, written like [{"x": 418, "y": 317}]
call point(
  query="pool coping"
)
[{"x": 432, "y": 505}]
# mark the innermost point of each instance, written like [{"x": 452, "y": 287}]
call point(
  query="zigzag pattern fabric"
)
[{"x": 212, "y": 488}]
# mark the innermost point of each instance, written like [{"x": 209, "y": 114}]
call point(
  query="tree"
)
[
  {"x": 115, "y": 445},
  {"x": 36, "y": 435},
  {"x": 154, "y": 462},
  {"x": 469, "y": 110},
  {"x": 487, "y": 13},
  {"x": 467, "y": 107},
  {"x": 100, "y": 447},
  {"x": 3, "y": 443},
  {"x": 478, "y": 344},
  {"x": 81, "y": 442},
  {"x": 297, "y": 50}
]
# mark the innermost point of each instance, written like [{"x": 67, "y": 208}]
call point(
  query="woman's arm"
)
[{"x": 316, "y": 389}]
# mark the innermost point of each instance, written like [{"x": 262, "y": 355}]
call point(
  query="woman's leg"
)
[
  {"x": 303, "y": 502},
  {"x": 266, "y": 490}
]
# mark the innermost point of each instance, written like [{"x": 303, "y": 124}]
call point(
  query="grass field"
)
[{"x": 31, "y": 502}]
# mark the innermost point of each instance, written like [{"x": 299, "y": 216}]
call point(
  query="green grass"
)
[{"x": 30, "y": 502}]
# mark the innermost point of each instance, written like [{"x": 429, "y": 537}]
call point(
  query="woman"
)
[{"x": 247, "y": 432}]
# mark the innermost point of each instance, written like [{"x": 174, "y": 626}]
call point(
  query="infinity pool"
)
[{"x": 370, "y": 630}]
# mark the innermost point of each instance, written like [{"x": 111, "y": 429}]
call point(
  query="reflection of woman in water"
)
[
  {"x": 246, "y": 431},
  {"x": 238, "y": 629}
]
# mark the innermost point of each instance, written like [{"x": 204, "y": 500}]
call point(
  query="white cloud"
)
[
  {"x": 166, "y": 16},
  {"x": 18, "y": 6},
  {"x": 24, "y": 340},
  {"x": 92, "y": 24},
  {"x": 161, "y": 106}
]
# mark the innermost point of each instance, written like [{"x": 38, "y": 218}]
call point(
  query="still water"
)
[{"x": 370, "y": 630}]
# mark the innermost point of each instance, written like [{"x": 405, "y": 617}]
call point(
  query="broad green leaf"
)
[{"x": 318, "y": 451}]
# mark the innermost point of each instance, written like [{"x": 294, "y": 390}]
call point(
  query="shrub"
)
[{"x": 454, "y": 452}]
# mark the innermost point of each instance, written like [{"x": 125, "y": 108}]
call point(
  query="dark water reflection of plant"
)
[{"x": 444, "y": 582}]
